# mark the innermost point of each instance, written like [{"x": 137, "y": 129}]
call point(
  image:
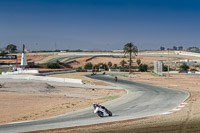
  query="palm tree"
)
[{"x": 130, "y": 48}]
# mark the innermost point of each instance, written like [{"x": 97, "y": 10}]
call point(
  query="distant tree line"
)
[
  {"x": 141, "y": 67},
  {"x": 192, "y": 49},
  {"x": 173, "y": 48},
  {"x": 11, "y": 48}
]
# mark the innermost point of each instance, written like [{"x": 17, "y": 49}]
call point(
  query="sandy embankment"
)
[{"x": 187, "y": 120}]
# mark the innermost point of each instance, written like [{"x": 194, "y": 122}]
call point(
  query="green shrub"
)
[
  {"x": 155, "y": 74},
  {"x": 184, "y": 67},
  {"x": 143, "y": 67},
  {"x": 79, "y": 68},
  {"x": 88, "y": 65},
  {"x": 53, "y": 65},
  {"x": 198, "y": 65},
  {"x": 165, "y": 68},
  {"x": 101, "y": 65},
  {"x": 193, "y": 70}
]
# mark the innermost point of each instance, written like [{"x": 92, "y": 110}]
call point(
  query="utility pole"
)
[
  {"x": 55, "y": 47},
  {"x": 36, "y": 49}
]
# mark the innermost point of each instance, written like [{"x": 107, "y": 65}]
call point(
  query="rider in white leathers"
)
[{"x": 101, "y": 111}]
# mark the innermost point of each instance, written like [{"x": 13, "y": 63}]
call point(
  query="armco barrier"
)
[
  {"x": 118, "y": 70},
  {"x": 59, "y": 72},
  {"x": 41, "y": 78},
  {"x": 26, "y": 77}
]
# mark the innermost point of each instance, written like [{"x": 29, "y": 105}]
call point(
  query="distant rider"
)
[{"x": 115, "y": 79}]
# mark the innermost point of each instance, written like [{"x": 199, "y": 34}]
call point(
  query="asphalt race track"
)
[{"x": 141, "y": 100}]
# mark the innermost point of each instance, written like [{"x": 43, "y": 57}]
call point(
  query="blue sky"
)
[{"x": 99, "y": 24}]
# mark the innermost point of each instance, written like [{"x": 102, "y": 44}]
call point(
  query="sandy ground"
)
[
  {"x": 184, "y": 121},
  {"x": 31, "y": 100}
]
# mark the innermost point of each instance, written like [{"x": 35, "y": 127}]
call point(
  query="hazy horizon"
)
[{"x": 99, "y": 24}]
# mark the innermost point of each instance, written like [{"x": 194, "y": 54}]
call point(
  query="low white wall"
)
[
  {"x": 36, "y": 72},
  {"x": 21, "y": 71},
  {"x": 173, "y": 72},
  {"x": 116, "y": 70},
  {"x": 30, "y": 77}
]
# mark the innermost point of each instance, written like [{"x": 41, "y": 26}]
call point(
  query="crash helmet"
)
[{"x": 94, "y": 105}]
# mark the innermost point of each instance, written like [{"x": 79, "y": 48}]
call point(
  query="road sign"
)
[{"x": 4, "y": 57}]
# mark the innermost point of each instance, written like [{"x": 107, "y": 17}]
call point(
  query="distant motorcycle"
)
[
  {"x": 101, "y": 111},
  {"x": 115, "y": 79}
]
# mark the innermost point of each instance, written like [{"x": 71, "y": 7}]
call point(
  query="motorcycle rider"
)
[
  {"x": 101, "y": 111},
  {"x": 115, "y": 78}
]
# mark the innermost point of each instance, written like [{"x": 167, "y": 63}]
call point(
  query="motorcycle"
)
[{"x": 101, "y": 111}]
